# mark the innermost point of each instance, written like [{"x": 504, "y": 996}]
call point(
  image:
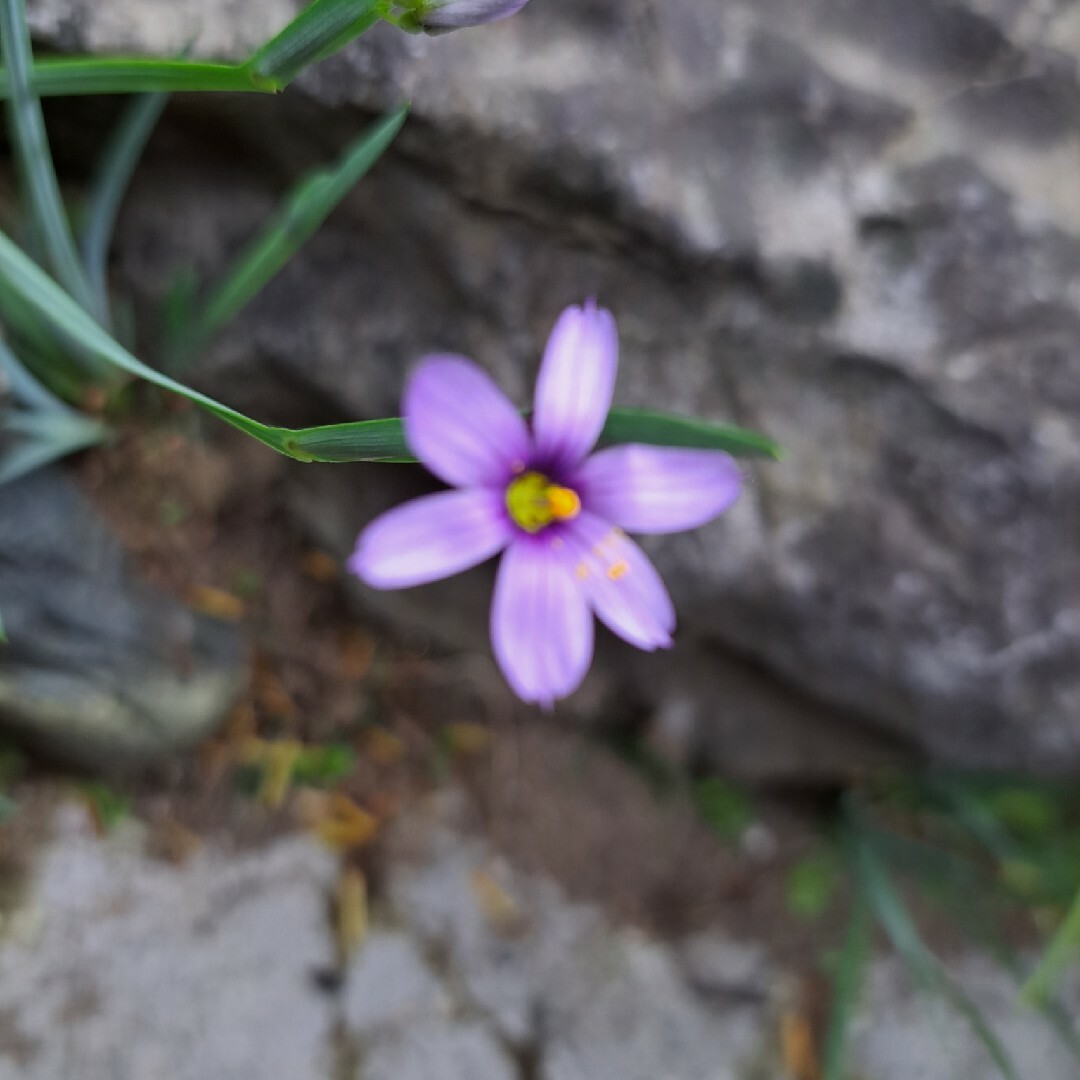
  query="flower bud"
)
[{"x": 440, "y": 16}]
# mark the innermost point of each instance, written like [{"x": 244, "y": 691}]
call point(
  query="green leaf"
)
[
  {"x": 114, "y": 174},
  {"x": 320, "y": 29},
  {"x": 661, "y": 429},
  {"x": 41, "y": 348},
  {"x": 1026, "y": 811},
  {"x": 322, "y": 766},
  {"x": 894, "y": 919},
  {"x": 48, "y": 437},
  {"x": 109, "y": 806},
  {"x": 724, "y": 808},
  {"x": 811, "y": 885},
  {"x": 73, "y": 76},
  {"x": 1060, "y": 954},
  {"x": 35, "y": 162},
  {"x": 22, "y": 386},
  {"x": 384, "y": 440},
  {"x": 31, "y": 286},
  {"x": 369, "y": 440},
  {"x": 306, "y": 208},
  {"x": 847, "y": 982}
]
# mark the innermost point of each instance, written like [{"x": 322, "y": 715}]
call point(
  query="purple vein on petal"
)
[
  {"x": 461, "y": 425},
  {"x": 541, "y": 627},
  {"x": 620, "y": 582},
  {"x": 654, "y": 489},
  {"x": 431, "y": 538},
  {"x": 575, "y": 384}
]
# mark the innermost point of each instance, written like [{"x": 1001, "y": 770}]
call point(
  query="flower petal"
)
[
  {"x": 541, "y": 627},
  {"x": 573, "y": 389},
  {"x": 461, "y": 425},
  {"x": 620, "y": 583},
  {"x": 431, "y": 538},
  {"x": 452, "y": 14},
  {"x": 658, "y": 489}
]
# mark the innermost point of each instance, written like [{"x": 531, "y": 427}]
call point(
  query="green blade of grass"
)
[
  {"x": 968, "y": 915},
  {"x": 847, "y": 982},
  {"x": 323, "y": 27},
  {"x": 114, "y": 174},
  {"x": 35, "y": 162},
  {"x": 47, "y": 437},
  {"x": 23, "y": 387},
  {"x": 663, "y": 429},
  {"x": 369, "y": 440},
  {"x": 75, "y": 76},
  {"x": 305, "y": 209},
  {"x": 29, "y": 283},
  {"x": 894, "y": 919},
  {"x": 1063, "y": 950},
  {"x": 343, "y": 442}
]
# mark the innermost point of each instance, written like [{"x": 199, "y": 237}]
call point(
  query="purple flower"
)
[
  {"x": 556, "y": 512},
  {"x": 437, "y": 16}
]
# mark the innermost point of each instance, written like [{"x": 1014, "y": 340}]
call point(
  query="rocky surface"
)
[
  {"x": 100, "y": 669},
  {"x": 114, "y": 966},
  {"x": 854, "y": 226}
]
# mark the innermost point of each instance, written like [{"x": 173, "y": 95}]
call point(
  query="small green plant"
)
[
  {"x": 108, "y": 806},
  {"x": 979, "y": 850}
]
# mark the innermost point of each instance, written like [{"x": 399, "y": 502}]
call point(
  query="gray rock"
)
[
  {"x": 581, "y": 999},
  {"x": 438, "y": 1051},
  {"x": 116, "y": 967},
  {"x": 100, "y": 669},
  {"x": 901, "y": 1033},
  {"x": 123, "y": 26},
  {"x": 390, "y": 985},
  {"x": 854, "y": 226},
  {"x": 119, "y": 968}
]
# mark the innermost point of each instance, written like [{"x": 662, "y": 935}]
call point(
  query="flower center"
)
[{"x": 535, "y": 502}]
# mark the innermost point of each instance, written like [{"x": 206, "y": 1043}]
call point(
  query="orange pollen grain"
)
[
  {"x": 618, "y": 570},
  {"x": 581, "y": 571}
]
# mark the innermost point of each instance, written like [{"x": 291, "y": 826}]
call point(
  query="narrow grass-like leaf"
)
[
  {"x": 384, "y": 440},
  {"x": 55, "y": 359},
  {"x": 370, "y": 440},
  {"x": 74, "y": 76},
  {"x": 324, "y": 26},
  {"x": 177, "y": 316},
  {"x": 31, "y": 145},
  {"x": 305, "y": 209},
  {"x": 1063, "y": 951},
  {"x": 894, "y": 919},
  {"x": 114, "y": 174},
  {"x": 847, "y": 982},
  {"x": 968, "y": 915},
  {"x": 32, "y": 286},
  {"x": 660, "y": 429},
  {"x": 23, "y": 387},
  {"x": 47, "y": 437}
]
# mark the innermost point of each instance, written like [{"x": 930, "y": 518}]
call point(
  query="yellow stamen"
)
[
  {"x": 618, "y": 570},
  {"x": 581, "y": 571},
  {"x": 563, "y": 503},
  {"x": 534, "y": 502}
]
